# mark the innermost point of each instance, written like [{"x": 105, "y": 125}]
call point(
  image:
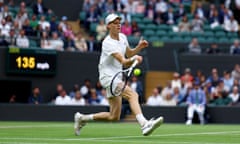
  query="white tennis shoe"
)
[
  {"x": 151, "y": 125},
  {"x": 78, "y": 123}
]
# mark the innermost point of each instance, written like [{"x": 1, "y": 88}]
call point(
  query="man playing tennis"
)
[{"x": 116, "y": 53}]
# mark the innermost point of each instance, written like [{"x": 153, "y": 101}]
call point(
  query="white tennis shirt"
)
[{"x": 108, "y": 65}]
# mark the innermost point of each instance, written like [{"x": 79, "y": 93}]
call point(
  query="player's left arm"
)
[{"x": 133, "y": 51}]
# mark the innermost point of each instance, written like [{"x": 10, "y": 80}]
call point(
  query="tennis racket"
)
[{"x": 120, "y": 80}]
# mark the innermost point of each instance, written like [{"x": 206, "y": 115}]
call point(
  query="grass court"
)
[{"x": 115, "y": 133}]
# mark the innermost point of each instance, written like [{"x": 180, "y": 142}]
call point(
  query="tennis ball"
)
[{"x": 137, "y": 71}]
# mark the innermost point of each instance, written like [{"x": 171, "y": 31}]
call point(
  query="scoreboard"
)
[{"x": 26, "y": 61}]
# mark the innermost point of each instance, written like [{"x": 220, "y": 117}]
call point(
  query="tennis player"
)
[{"x": 116, "y": 53}]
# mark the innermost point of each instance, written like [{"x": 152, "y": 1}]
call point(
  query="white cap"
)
[{"x": 111, "y": 17}]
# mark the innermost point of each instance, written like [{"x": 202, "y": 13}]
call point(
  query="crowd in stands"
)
[
  {"x": 36, "y": 26},
  {"x": 218, "y": 89}
]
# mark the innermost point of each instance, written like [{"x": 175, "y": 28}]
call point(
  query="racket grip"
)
[{"x": 134, "y": 63}]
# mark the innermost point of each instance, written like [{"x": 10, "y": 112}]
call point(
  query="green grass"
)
[{"x": 110, "y": 133}]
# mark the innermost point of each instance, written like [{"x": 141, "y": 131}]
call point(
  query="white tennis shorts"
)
[{"x": 106, "y": 82}]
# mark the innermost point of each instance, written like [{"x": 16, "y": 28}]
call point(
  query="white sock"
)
[
  {"x": 88, "y": 117},
  {"x": 141, "y": 119}
]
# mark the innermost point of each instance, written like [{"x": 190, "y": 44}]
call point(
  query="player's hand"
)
[
  {"x": 142, "y": 43},
  {"x": 139, "y": 58}
]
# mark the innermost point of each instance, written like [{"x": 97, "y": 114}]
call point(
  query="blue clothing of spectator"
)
[{"x": 196, "y": 96}]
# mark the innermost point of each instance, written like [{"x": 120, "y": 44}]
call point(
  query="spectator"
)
[
  {"x": 155, "y": 99},
  {"x": 194, "y": 47},
  {"x": 118, "y": 6},
  {"x": 93, "y": 99},
  {"x": 187, "y": 78},
  {"x": 196, "y": 103},
  {"x": 167, "y": 89},
  {"x": 80, "y": 43},
  {"x": 214, "y": 78},
  {"x": 168, "y": 100},
  {"x": 219, "y": 91},
  {"x": 5, "y": 12},
  {"x": 137, "y": 86},
  {"x": 140, "y": 7},
  {"x": 5, "y": 28},
  {"x": 44, "y": 41},
  {"x": 85, "y": 88},
  {"x": 35, "y": 97},
  {"x": 125, "y": 16},
  {"x": 40, "y": 9},
  {"x": 43, "y": 23},
  {"x": 231, "y": 25},
  {"x": 126, "y": 28},
  {"x": 104, "y": 100},
  {"x": 91, "y": 17},
  {"x": 59, "y": 89},
  {"x": 177, "y": 97},
  {"x": 236, "y": 72},
  {"x": 56, "y": 42},
  {"x": 227, "y": 80},
  {"x": 215, "y": 19},
  {"x": 169, "y": 17},
  {"x": 199, "y": 11},
  {"x": 235, "y": 47},
  {"x": 77, "y": 99},
  {"x": 101, "y": 30},
  {"x": 176, "y": 81},
  {"x": 22, "y": 40},
  {"x": 222, "y": 99},
  {"x": 11, "y": 39},
  {"x": 135, "y": 29},
  {"x": 53, "y": 24},
  {"x": 197, "y": 24},
  {"x": 213, "y": 49},
  {"x": 69, "y": 32},
  {"x": 92, "y": 44},
  {"x": 63, "y": 24},
  {"x": 161, "y": 7},
  {"x": 34, "y": 22},
  {"x": 184, "y": 25},
  {"x": 63, "y": 98},
  {"x": 149, "y": 13},
  {"x": 98, "y": 88},
  {"x": 69, "y": 44},
  {"x": 234, "y": 95},
  {"x": 74, "y": 90},
  {"x": 180, "y": 11},
  {"x": 28, "y": 29}
]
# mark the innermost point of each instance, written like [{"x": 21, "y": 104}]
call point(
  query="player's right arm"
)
[{"x": 126, "y": 61}]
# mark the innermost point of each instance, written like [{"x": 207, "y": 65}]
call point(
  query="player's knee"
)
[{"x": 114, "y": 118}]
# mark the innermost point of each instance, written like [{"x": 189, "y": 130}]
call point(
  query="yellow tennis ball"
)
[{"x": 137, "y": 71}]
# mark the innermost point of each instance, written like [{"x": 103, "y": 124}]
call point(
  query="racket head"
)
[{"x": 118, "y": 83}]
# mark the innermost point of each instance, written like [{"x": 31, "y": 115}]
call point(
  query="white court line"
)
[
  {"x": 32, "y": 126},
  {"x": 124, "y": 137},
  {"x": 163, "y": 135}
]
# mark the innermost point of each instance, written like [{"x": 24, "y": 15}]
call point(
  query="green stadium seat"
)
[
  {"x": 151, "y": 27},
  {"x": 219, "y": 34},
  {"x": 133, "y": 40},
  {"x": 197, "y": 34},
  {"x": 161, "y": 33},
  {"x": 208, "y": 34},
  {"x": 153, "y": 39},
  {"x": 165, "y": 39},
  {"x": 147, "y": 21},
  {"x": 187, "y": 39},
  {"x": 82, "y": 15},
  {"x": 223, "y": 40},
  {"x": 32, "y": 43},
  {"x": 163, "y": 27},
  {"x": 178, "y": 39},
  {"x": 232, "y": 35},
  {"x": 148, "y": 33},
  {"x": 207, "y": 28},
  {"x": 93, "y": 27}
]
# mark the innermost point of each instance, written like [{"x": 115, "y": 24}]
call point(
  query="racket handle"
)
[{"x": 134, "y": 63}]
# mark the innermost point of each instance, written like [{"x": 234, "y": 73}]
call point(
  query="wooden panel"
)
[{"x": 156, "y": 78}]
